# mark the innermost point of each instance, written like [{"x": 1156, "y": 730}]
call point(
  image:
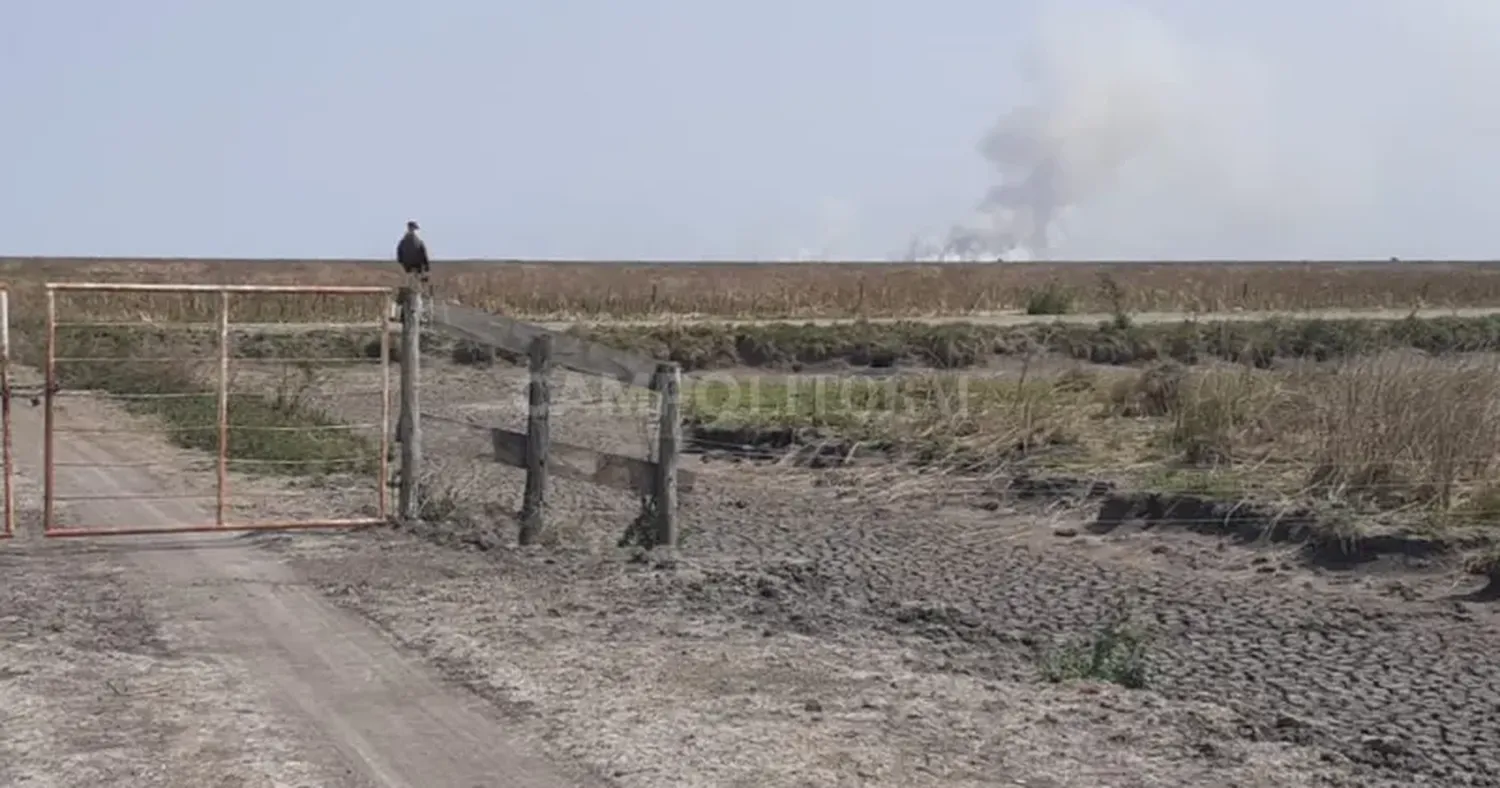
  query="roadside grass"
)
[
  {"x": 170, "y": 376},
  {"x": 1395, "y": 433}
]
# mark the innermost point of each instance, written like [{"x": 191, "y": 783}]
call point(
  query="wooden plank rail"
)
[
  {"x": 568, "y": 351},
  {"x": 656, "y": 482},
  {"x": 581, "y": 463}
]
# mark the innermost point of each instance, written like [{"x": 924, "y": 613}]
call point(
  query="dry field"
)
[
  {"x": 633, "y": 290},
  {"x": 897, "y": 572},
  {"x": 902, "y": 619}
]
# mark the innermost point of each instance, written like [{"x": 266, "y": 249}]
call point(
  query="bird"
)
[{"x": 411, "y": 253}]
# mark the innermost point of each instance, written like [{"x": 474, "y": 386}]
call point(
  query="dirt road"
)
[{"x": 203, "y": 660}]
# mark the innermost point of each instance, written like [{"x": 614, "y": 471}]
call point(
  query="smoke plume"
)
[
  {"x": 1106, "y": 83},
  {"x": 1142, "y": 140}
]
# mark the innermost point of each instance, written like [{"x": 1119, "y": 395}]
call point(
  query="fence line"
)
[{"x": 657, "y": 481}]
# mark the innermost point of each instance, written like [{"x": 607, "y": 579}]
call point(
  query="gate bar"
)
[
  {"x": 128, "y": 287},
  {"x": 148, "y": 530},
  {"x": 49, "y": 476},
  {"x": 223, "y": 482},
  {"x": 9, "y": 527},
  {"x": 383, "y": 499}
]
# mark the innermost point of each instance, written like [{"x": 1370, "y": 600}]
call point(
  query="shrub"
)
[
  {"x": 1115, "y": 653},
  {"x": 1049, "y": 299}
]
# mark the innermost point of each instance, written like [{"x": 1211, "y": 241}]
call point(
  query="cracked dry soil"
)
[
  {"x": 810, "y": 637},
  {"x": 805, "y": 637}
]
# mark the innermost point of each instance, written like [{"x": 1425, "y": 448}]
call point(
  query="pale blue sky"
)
[{"x": 754, "y": 130}]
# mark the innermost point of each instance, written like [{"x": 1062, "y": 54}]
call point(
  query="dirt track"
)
[{"x": 203, "y": 660}]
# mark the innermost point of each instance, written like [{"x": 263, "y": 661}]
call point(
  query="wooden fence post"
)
[
  {"x": 668, "y": 384},
  {"x": 409, "y": 427},
  {"x": 538, "y": 438}
]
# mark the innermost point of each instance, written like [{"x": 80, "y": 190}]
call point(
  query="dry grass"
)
[
  {"x": 963, "y": 345},
  {"x": 1366, "y": 426},
  {"x": 566, "y": 290},
  {"x": 1391, "y": 433},
  {"x": 174, "y": 378}
]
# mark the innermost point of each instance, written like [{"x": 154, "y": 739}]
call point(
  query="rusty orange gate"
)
[
  {"x": 8, "y": 528},
  {"x": 107, "y": 470}
]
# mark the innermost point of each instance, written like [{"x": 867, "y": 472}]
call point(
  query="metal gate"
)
[
  {"x": 102, "y": 463},
  {"x": 7, "y": 455}
]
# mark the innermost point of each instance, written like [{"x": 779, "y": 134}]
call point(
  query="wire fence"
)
[
  {"x": 463, "y": 403},
  {"x": 234, "y": 428},
  {"x": 309, "y": 408}
]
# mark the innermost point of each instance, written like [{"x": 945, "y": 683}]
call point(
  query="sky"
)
[{"x": 766, "y": 130}]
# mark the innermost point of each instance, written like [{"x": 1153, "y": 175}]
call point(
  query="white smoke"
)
[
  {"x": 1107, "y": 83},
  {"x": 1140, "y": 140}
]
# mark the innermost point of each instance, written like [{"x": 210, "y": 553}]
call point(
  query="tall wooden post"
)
[
  {"x": 668, "y": 385},
  {"x": 538, "y": 438},
  {"x": 409, "y": 430}
]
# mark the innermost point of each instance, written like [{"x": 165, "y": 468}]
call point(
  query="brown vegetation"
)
[
  {"x": 964, "y": 345},
  {"x": 1382, "y": 416},
  {"x": 599, "y": 290},
  {"x": 1395, "y": 434},
  {"x": 1376, "y": 423}
]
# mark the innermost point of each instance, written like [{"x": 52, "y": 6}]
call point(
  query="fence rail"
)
[{"x": 657, "y": 481}]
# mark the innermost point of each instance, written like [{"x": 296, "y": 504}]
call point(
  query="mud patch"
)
[{"x": 1327, "y": 540}]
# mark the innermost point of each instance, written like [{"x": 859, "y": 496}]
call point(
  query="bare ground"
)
[
  {"x": 810, "y": 634},
  {"x": 101, "y": 685},
  {"x": 813, "y": 633},
  {"x": 202, "y": 660}
]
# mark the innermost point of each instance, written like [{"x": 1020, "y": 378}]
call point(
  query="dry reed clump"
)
[
  {"x": 1217, "y": 417},
  {"x": 1385, "y": 433},
  {"x": 635, "y": 290},
  {"x": 1398, "y": 429},
  {"x": 1386, "y": 430}
]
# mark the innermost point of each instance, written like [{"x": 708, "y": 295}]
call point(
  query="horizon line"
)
[{"x": 67, "y": 259}]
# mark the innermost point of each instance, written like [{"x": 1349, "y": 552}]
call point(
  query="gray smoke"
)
[
  {"x": 1275, "y": 133},
  {"x": 1306, "y": 132},
  {"x": 1107, "y": 81}
]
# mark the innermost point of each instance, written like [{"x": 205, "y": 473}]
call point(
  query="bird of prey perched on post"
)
[{"x": 412, "y": 253}]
